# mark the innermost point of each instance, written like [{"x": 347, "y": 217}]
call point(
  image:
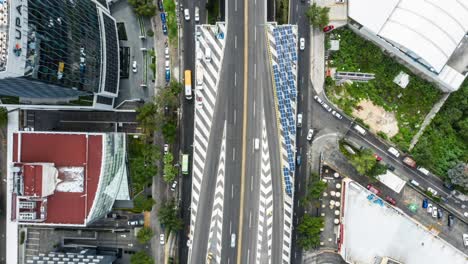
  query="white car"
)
[
  {"x": 434, "y": 192},
  {"x": 187, "y": 14},
  {"x": 299, "y": 120},
  {"x": 197, "y": 14},
  {"x": 465, "y": 240},
  {"x": 434, "y": 212},
  {"x": 173, "y": 186},
  {"x": 166, "y": 149},
  {"x": 130, "y": 245},
  {"x": 310, "y": 134},
  {"x": 328, "y": 108},
  {"x": 429, "y": 208},
  {"x": 318, "y": 99},
  {"x": 168, "y": 65},
  {"x": 161, "y": 239},
  {"x": 166, "y": 53},
  {"x": 337, "y": 115},
  {"x": 301, "y": 43},
  {"x": 134, "y": 66}
]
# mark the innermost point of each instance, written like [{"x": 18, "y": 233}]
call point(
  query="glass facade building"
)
[{"x": 113, "y": 179}]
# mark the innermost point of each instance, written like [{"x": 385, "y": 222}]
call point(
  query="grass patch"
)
[
  {"x": 213, "y": 11},
  {"x": 282, "y": 11},
  {"x": 170, "y": 8},
  {"x": 410, "y": 105},
  {"x": 445, "y": 141}
]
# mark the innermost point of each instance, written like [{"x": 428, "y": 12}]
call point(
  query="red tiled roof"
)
[
  {"x": 32, "y": 175},
  {"x": 65, "y": 150}
]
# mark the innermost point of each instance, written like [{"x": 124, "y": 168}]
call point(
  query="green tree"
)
[
  {"x": 141, "y": 258},
  {"x": 145, "y": 234},
  {"x": 3, "y": 117},
  {"x": 168, "y": 216},
  {"x": 316, "y": 189},
  {"x": 458, "y": 175},
  {"x": 142, "y": 203},
  {"x": 169, "y": 131},
  {"x": 143, "y": 7},
  {"x": 364, "y": 161},
  {"x": 377, "y": 170},
  {"x": 318, "y": 16},
  {"x": 147, "y": 117},
  {"x": 309, "y": 231}
]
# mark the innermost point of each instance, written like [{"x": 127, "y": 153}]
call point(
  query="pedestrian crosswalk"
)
[
  {"x": 265, "y": 214},
  {"x": 210, "y": 40},
  {"x": 216, "y": 223},
  {"x": 282, "y": 47}
]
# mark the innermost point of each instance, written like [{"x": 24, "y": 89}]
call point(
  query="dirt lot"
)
[{"x": 377, "y": 118}]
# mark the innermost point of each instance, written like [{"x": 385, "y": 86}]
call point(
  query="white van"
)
[
  {"x": 187, "y": 14},
  {"x": 423, "y": 170},
  {"x": 233, "y": 240},
  {"x": 299, "y": 120},
  {"x": 256, "y": 143},
  {"x": 361, "y": 130},
  {"x": 208, "y": 55},
  {"x": 394, "y": 152}
]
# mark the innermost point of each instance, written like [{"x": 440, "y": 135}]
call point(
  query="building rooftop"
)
[
  {"x": 373, "y": 229},
  {"x": 60, "y": 173},
  {"x": 430, "y": 29}
]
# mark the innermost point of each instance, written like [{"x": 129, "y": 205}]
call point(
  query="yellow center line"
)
[{"x": 244, "y": 131}]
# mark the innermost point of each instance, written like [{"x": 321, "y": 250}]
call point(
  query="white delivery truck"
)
[
  {"x": 199, "y": 74},
  {"x": 361, "y": 130}
]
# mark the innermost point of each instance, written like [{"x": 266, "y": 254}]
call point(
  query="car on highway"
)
[
  {"x": 134, "y": 66},
  {"x": 163, "y": 17},
  {"x": 327, "y": 107},
  {"x": 301, "y": 43},
  {"x": 429, "y": 208},
  {"x": 299, "y": 120},
  {"x": 173, "y": 186},
  {"x": 186, "y": 14},
  {"x": 434, "y": 212},
  {"x": 328, "y": 28},
  {"x": 432, "y": 191},
  {"x": 377, "y": 157},
  {"x": 318, "y": 99},
  {"x": 197, "y": 14},
  {"x": 164, "y": 29},
  {"x": 371, "y": 188},
  {"x": 337, "y": 115},
  {"x": 298, "y": 160},
  {"x": 166, "y": 149},
  {"x": 465, "y": 240},
  {"x": 390, "y": 200},
  {"x": 161, "y": 239},
  {"x": 310, "y": 133}
]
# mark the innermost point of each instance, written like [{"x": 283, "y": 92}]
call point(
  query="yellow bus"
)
[{"x": 188, "y": 84}]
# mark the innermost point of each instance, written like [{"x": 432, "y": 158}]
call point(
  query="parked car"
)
[
  {"x": 168, "y": 75},
  {"x": 161, "y": 239},
  {"x": 429, "y": 208},
  {"x": 371, "y": 188},
  {"x": 451, "y": 219},
  {"x": 337, "y": 115},
  {"x": 310, "y": 134},
  {"x": 167, "y": 65},
  {"x": 390, "y": 167},
  {"x": 328, "y": 28},
  {"x": 133, "y": 222},
  {"x": 199, "y": 100},
  {"x": 160, "y": 5},
  {"x": 425, "y": 203},
  {"x": 434, "y": 212},
  {"x": 163, "y": 17},
  {"x": 465, "y": 240},
  {"x": 301, "y": 43},
  {"x": 164, "y": 29},
  {"x": 299, "y": 120},
  {"x": 187, "y": 14},
  {"x": 440, "y": 214},
  {"x": 318, "y": 99},
  {"x": 432, "y": 191},
  {"x": 197, "y": 14},
  {"x": 134, "y": 66},
  {"x": 390, "y": 200},
  {"x": 298, "y": 160},
  {"x": 166, "y": 53},
  {"x": 166, "y": 149},
  {"x": 327, "y": 107},
  {"x": 174, "y": 186}
]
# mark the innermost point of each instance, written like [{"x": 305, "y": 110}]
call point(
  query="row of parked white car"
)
[{"x": 327, "y": 107}]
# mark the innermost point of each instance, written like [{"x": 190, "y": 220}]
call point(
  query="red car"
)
[
  {"x": 377, "y": 157},
  {"x": 328, "y": 28},
  {"x": 390, "y": 200},
  {"x": 373, "y": 189}
]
